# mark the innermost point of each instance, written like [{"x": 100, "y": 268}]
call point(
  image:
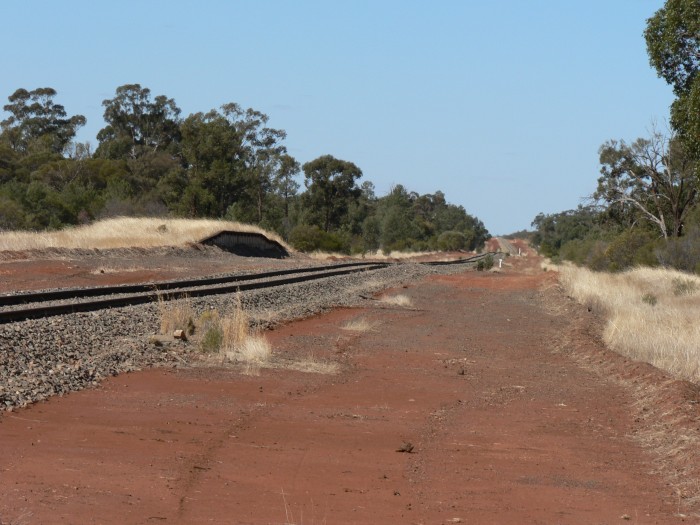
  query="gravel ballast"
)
[{"x": 45, "y": 357}]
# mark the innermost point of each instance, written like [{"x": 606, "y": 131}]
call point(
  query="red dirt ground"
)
[{"x": 505, "y": 428}]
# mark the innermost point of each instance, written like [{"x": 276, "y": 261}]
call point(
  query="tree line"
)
[
  {"x": 645, "y": 208},
  {"x": 225, "y": 163}
]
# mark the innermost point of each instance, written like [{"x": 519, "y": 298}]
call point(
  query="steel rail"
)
[
  {"x": 36, "y": 312},
  {"x": 475, "y": 258},
  {"x": 135, "y": 294},
  {"x": 97, "y": 291}
]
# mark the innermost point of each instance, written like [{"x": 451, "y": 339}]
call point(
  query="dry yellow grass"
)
[
  {"x": 360, "y": 325},
  {"x": 254, "y": 353},
  {"x": 240, "y": 344},
  {"x": 236, "y": 328},
  {"x": 400, "y": 300},
  {"x": 651, "y": 314},
  {"x": 312, "y": 365},
  {"x": 176, "y": 315},
  {"x": 126, "y": 232}
]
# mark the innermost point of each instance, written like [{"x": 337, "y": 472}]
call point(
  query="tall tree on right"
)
[
  {"x": 673, "y": 44},
  {"x": 651, "y": 178}
]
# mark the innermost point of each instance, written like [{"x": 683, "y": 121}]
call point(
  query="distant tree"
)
[
  {"x": 137, "y": 124},
  {"x": 452, "y": 240},
  {"x": 555, "y": 230},
  {"x": 287, "y": 187},
  {"x": 331, "y": 187},
  {"x": 235, "y": 164},
  {"x": 145, "y": 133},
  {"x": 36, "y": 122},
  {"x": 653, "y": 176},
  {"x": 261, "y": 153}
]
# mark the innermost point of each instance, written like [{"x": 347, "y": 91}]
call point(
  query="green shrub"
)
[
  {"x": 451, "y": 240},
  {"x": 684, "y": 287},
  {"x": 211, "y": 328},
  {"x": 650, "y": 299},
  {"x": 334, "y": 242},
  {"x": 212, "y": 339},
  {"x": 485, "y": 264},
  {"x": 305, "y": 238},
  {"x": 631, "y": 248},
  {"x": 681, "y": 253}
]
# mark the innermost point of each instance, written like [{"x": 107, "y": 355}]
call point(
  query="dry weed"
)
[
  {"x": 360, "y": 325},
  {"x": 176, "y": 315},
  {"x": 548, "y": 266},
  {"x": 400, "y": 300},
  {"x": 109, "y": 269},
  {"x": 311, "y": 365},
  {"x": 254, "y": 353},
  {"x": 240, "y": 345},
  {"x": 236, "y": 328}
]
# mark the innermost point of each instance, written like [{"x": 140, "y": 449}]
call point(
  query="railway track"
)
[{"x": 35, "y": 305}]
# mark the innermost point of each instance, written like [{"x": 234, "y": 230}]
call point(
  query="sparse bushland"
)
[
  {"x": 225, "y": 163},
  {"x": 651, "y": 314}
]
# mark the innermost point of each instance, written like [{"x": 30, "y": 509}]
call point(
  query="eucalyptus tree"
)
[
  {"x": 330, "y": 188},
  {"x": 232, "y": 160},
  {"x": 652, "y": 178},
  {"x": 673, "y": 44},
  {"x": 261, "y": 151},
  {"x": 286, "y": 186},
  {"x": 138, "y": 124},
  {"x": 37, "y": 123},
  {"x": 144, "y": 132}
]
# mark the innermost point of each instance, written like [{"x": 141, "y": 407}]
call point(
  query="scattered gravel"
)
[{"x": 45, "y": 357}]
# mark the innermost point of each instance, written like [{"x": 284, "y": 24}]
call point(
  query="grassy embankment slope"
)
[
  {"x": 651, "y": 314},
  {"x": 126, "y": 232}
]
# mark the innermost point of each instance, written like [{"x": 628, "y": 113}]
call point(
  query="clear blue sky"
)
[{"x": 501, "y": 104}]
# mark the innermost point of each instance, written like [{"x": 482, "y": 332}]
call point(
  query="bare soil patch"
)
[{"x": 472, "y": 406}]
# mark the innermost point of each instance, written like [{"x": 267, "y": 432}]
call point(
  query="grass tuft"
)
[
  {"x": 231, "y": 339},
  {"x": 360, "y": 325},
  {"x": 176, "y": 315},
  {"x": 397, "y": 300},
  {"x": 312, "y": 365},
  {"x": 236, "y": 327}
]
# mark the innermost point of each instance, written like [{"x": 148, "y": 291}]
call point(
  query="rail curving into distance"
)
[{"x": 36, "y": 305}]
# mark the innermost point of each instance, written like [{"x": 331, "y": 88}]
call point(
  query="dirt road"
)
[{"x": 466, "y": 408}]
